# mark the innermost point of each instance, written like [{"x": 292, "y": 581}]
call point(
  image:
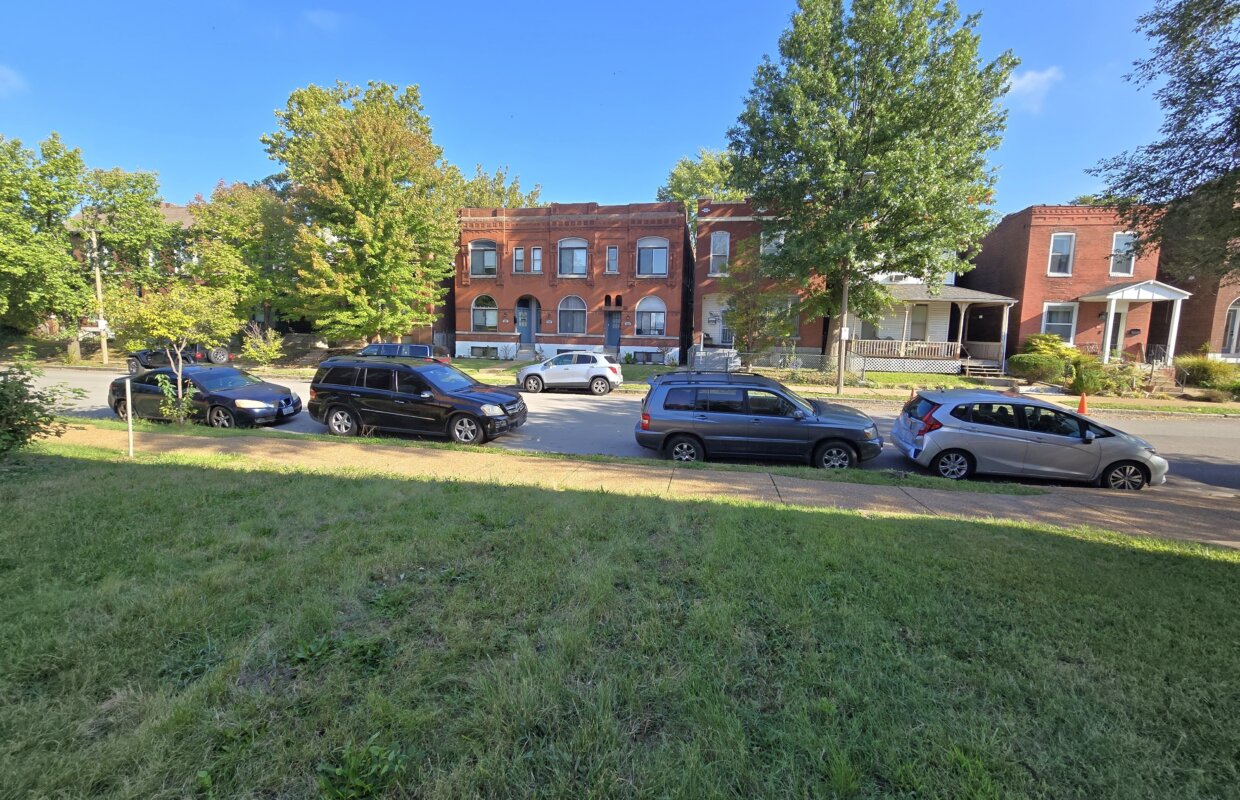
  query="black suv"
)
[
  {"x": 140, "y": 361},
  {"x": 410, "y": 395},
  {"x": 431, "y": 352},
  {"x": 691, "y": 415}
]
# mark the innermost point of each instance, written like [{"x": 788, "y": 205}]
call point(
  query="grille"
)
[{"x": 515, "y": 408}]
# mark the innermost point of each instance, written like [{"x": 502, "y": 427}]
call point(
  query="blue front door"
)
[
  {"x": 613, "y": 329},
  {"x": 523, "y": 325}
]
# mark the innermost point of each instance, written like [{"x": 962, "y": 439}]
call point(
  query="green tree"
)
[
  {"x": 173, "y": 317},
  {"x": 122, "y": 227},
  {"x": 381, "y": 226},
  {"x": 709, "y": 174},
  {"x": 758, "y": 314},
  {"x": 1183, "y": 188},
  {"x": 1106, "y": 200},
  {"x": 26, "y": 411},
  {"x": 243, "y": 241},
  {"x": 38, "y": 275},
  {"x": 870, "y": 137},
  {"x": 485, "y": 190}
]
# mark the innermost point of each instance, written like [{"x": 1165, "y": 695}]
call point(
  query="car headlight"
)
[
  {"x": 870, "y": 432},
  {"x": 492, "y": 410},
  {"x": 253, "y": 405}
]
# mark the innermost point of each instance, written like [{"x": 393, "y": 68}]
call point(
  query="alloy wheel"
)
[
  {"x": 954, "y": 466},
  {"x": 465, "y": 430},
  {"x": 684, "y": 451},
  {"x": 600, "y": 386},
  {"x": 1126, "y": 477},
  {"x": 533, "y": 384},
  {"x": 220, "y": 417},
  {"x": 340, "y": 422},
  {"x": 122, "y": 410},
  {"x": 836, "y": 457}
]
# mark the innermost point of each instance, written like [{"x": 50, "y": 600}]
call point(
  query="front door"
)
[
  {"x": 1056, "y": 447},
  {"x": 415, "y": 405},
  {"x": 523, "y": 325},
  {"x": 612, "y": 319},
  {"x": 1117, "y": 331},
  {"x": 558, "y": 371},
  {"x": 773, "y": 430}
]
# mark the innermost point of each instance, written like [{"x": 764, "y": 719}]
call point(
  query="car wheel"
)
[
  {"x": 600, "y": 386},
  {"x": 220, "y": 417},
  {"x": 685, "y": 449},
  {"x": 133, "y": 365},
  {"x": 218, "y": 355},
  {"x": 835, "y": 455},
  {"x": 342, "y": 422},
  {"x": 465, "y": 429},
  {"x": 955, "y": 465},
  {"x": 1125, "y": 476},
  {"x": 122, "y": 409},
  {"x": 533, "y": 384}
]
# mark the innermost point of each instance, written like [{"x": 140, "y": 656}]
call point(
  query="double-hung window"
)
[
  {"x": 652, "y": 256},
  {"x": 485, "y": 314},
  {"x": 518, "y": 259},
  {"x": 720, "y": 247},
  {"x": 572, "y": 315},
  {"x": 1123, "y": 260},
  {"x": 1060, "y": 319},
  {"x": 574, "y": 257},
  {"x": 651, "y": 317},
  {"x": 772, "y": 243},
  {"x": 482, "y": 258},
  {"x": 613, "y": 260},
  {"x": 1062, "y": 247},
  {"x": 535, "y": 259}
]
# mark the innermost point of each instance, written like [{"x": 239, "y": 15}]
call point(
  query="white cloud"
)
[
  {"x": 11, "y": 82},
  {"x": 322, "y": 19},
  {"x": 1028, "y": 89}
]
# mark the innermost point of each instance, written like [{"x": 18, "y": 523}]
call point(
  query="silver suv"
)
[
  {"x": 598, "y": 372},
  {"x": 961, "y": 432}
]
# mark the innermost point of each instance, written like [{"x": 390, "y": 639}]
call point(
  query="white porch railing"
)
[
  {"x": 890, "y": 348},
  {"x": 989, "y": 351}
]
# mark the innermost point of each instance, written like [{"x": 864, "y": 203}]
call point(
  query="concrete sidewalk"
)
[{"x": 1169, "y": 512}]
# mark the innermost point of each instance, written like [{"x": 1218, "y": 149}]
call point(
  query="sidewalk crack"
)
[
  {"x": 778, "y": 493},
  {"x": 915, "y": 500}
]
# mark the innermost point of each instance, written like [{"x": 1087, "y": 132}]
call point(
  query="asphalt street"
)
[{"x": 1203, "y": 450}]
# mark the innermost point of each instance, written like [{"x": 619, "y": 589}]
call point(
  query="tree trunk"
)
[{"x": 73, "y": 348}]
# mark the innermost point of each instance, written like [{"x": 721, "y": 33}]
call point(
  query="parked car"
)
[
  {"x": 407, "y": 395},
  {"x": 691, "y": 416},
  {"x": 432, "y": 352},
  {"x": 598, "y": 372},
  {"x": 154, "y": 357},
  {"x": 224, "y": 397},
  {"x": 964, "y": 432}
]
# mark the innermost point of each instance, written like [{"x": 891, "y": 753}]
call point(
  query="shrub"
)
[
  {"x": 26, "y": 412},
  {"x": 261, "y": 345},
  {"x": 1206, "y": 372},
  {"x": 1048, "y": 344},
  {"x": 1214, "y": 396},
  {"x": 1087, "y": 380},
  {"x": 1035, "y": 367},
  {"x": 1233, "y": 388}
]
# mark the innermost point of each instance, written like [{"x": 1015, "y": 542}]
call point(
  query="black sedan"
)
[{"x": 224, "y": 397}]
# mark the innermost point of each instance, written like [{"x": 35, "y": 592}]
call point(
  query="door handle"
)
[
  {"x": 401, "y": 402},
  {"x": 700, "y": 416},
  {"x": 354, "y": 394},
  {"x": 756, "y": 420}
]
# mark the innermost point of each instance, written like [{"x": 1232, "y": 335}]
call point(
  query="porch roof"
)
[
  {"x": 1137, "y": 290},
  {"x": 920, "y": 293}
]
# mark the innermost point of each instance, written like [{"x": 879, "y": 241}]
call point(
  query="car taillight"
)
[
  {"x": 929, "y": 423},
  {"x": 313, "y": 394},
  {"x": 645, "y": 422},
  {"x": 198, "y": 356},
  {"x": 614, "y": 370}
]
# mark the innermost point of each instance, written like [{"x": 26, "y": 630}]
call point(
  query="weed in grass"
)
[
  {"x": 362, "y": 771},
  {"x": 314, "y": 651}
]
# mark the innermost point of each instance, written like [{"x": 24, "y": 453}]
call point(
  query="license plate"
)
[{"x": 287, "y": 411}]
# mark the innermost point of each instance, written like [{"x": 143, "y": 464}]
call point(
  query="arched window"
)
[
  {"x": 651, "y": 317},
  {"x": 482, "y": 258},
  {"x": 652, "y": 256},
  {"x": 607, "y": 301},
  {"x": 572, "y": 315},
  {"x": 574, "y": 256},
  {"x": 1231, "y": 330},
  {"x": 485, "y": 314}
]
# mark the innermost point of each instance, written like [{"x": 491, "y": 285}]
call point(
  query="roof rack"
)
[{"x": 703, "y": 375}]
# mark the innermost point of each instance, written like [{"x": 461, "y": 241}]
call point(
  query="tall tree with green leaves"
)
[
  {"x": 243, "y": 241},
  {"x": 39, "y": 277},
  {"x": 708, "y": 174},
  {"x": 759, "y": 314},
  {"x": 869, "y": 140},
  {"x": 485, "y": 190},
  {"x": 378, "y": 224},
  {"x": 1184, "y": 189},
  {"x": 121, "y": 214}
]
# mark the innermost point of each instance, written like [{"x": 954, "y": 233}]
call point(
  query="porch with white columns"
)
[{"x": 1139, "y": 292}]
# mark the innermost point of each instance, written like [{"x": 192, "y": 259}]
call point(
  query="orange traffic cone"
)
[
  {"x": 912, "y": 390},
  {"x": 1082, "y": 408}
]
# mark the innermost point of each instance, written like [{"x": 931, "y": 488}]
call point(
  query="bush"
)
[
  {"x": 1048, "y": 344},
  {"x": 1214, "y": 396},
  {"x": 1233, "y": 388},
  {"x": 26, "y": 412},
  {"x": 1206, "y": 372},
  {"x": 1035, "y": 367},
  {"x": 261, "y": 345},
  {"x": 1087, "y": 380}
]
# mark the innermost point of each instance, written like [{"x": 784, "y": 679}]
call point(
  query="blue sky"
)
[{"x": 595, "y": 101}]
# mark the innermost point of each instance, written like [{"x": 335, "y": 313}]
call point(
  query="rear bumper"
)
[{"x": 651, "y": 440}]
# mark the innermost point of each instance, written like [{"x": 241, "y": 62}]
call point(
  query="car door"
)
[
  {"x": 373, "y": 398},
  {"x": 720, "y": 419},
  {"x": 995, "y": 438},
  {"x": 1056, "y": 445},
  {"x": 773, "y": 430},
  {"x": 147, "y": 394},
  {"x": 585, "y": 366},
  {"x": 418, "y": 408},
  {"x": 558, "y": 371}
]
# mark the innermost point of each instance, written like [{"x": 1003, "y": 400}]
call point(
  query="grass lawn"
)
[
  {"x": 920, "y": 380},
  {"x": 190, "y": 627}
]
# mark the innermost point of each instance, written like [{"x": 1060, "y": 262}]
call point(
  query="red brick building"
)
[
  {"x": 1073, "y": 274},
  {"x": 1210, "y": 321},
  {"x": 537, "y": 281}
]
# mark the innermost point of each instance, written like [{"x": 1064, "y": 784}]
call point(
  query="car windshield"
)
[
  {"x": 448, "y": 379},
  {"x": 218, "y": 380}
]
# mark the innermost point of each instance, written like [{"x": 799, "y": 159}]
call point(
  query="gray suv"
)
[
  {"x": 960, "y": 432},
  {"x": 598, "y": 372},
  {"x": 689, "y": 416}
]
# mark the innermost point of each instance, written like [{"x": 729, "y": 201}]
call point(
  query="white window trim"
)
[
  {"x": 1071, "y": 256},
  {"x": 559, "y": 249},
  {"x": 537, "y": 261},
  {"x": 515, "y": 252},
  {"x": 493, "y": 248},
  {"x": 473, "y": 308},
  {"x": 727, "y": 256},
  {"x": 610, "y": 267},
  {"x": 1235, "y": 330},
  {"x": 585, "y": 315},
  {"x": 1076, "y": 307},
  {"x": 637, "y": 256},
  {"x": 1111, "y": 265}
]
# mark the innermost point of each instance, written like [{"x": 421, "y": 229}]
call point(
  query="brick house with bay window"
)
[{"x": 532, "y": 282}]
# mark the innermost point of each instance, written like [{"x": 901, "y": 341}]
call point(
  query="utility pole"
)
[
  {"x": 101, "y": 321},
  {"x": 844, "y": 334}
]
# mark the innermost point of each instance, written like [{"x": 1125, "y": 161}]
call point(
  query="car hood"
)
[
  {"x": 264, "y": 392},
  {"x": 839, "y": 413},
  {"x": 482, "y": 393}
]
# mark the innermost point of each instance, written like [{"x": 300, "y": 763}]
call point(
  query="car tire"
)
[
  {"x": 134, "y": 366},
  {"x": 954, "y": 465},
  {"x": 121, "y": 409},
  {"x": 533, "y": 384},
  {"x": 220, "y": 417},
  {"x": 466, "y": 429},
  {"x": 218, "y": 355},
  {"x": 835, "y": 455},
  {"x": 342, "y": 422},
  {"x": 600, "y": 386},
  {"x": 1126, "y": 476},
  {"x": 685, "y": 450}
]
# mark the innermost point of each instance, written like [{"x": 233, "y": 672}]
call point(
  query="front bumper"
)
[
  {"x": 1158, "y": 470},
  {"x": 869, "y": 449},
  {"x": 496, "y": 425},
  {"x": 267, "y": 416}
]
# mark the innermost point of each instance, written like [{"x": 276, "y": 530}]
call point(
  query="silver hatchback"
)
[{"x": 961, "y": 432}]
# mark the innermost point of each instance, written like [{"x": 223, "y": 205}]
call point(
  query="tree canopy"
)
[
  {"x": 708, "y": 174},
  {"x": 374, "y": 200},
  {"x": 123, "y": 210},
  {"x": 868, "y": 141},
  {"x": 1183, "y": 189},
  {"x": 485, "y": 190}
]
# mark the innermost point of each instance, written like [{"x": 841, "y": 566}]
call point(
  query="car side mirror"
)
[
  {"x": 425, "y": 395},
  {"x": 1089, "y": 437},
  {"x": 798, "y": 414}
]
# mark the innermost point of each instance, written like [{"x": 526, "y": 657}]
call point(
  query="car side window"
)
[
  {"x": 961, "y": 412},
  {"x": 725, "y": 401},
  {"x": 998, "y": 415},
  {"x": 680, "y": 399},
  {"x": 378, "y": 378},
  {"x": 561, "y": 361},
  {"x": 341, "y": 376},
  {"x": 768, "y": 404},
  {"x": 410, "y": 383},
  {"x": 1055, "y": 423},
  {"x": 585, "y": 358},
  {"x": 1100, "y": 433}
]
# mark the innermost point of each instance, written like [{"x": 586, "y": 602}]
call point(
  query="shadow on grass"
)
[{"x": 171, "y": 616}]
